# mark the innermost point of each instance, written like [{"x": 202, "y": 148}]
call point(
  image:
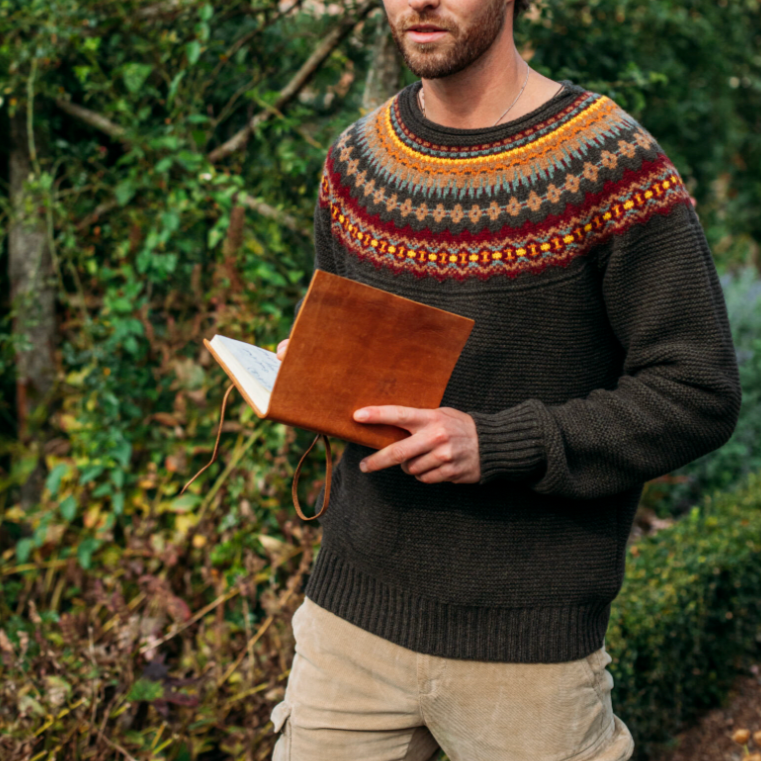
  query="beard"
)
[{"x": 434, "y": 60}]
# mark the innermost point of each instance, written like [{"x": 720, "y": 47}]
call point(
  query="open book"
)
[
  {"x": 253, "y": 367},
  {"x": 352, "y": 345}
]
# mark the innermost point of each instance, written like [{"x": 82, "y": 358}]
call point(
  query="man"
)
[{"x": 462, "y": 592}]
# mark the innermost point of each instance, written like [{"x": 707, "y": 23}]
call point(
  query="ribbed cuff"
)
[{"x": 510, "y": 443}]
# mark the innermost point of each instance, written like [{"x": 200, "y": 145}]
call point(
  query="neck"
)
[{"x": 477, "y": 96}]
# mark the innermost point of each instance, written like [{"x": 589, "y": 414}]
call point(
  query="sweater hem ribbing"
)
[{"x": 522, "y": 635}]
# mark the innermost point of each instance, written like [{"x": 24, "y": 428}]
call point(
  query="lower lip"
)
[{"x": 426, "y": 36}]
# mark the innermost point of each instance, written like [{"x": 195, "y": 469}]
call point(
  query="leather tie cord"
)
[
  {"x": 328, "y": 477},
  {"x": 294, "y": 488},
  {"x": 216, "y": 443}
]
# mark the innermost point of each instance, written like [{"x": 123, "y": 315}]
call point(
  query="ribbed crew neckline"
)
[{"x": 424, "y": 128}]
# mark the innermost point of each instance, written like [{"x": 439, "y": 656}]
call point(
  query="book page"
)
[{"x": 261, "y": 364}]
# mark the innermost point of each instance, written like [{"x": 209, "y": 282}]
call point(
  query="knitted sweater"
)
[{"x": 601, "y": 358}]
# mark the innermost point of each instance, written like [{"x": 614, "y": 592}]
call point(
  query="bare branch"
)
[
  {"x": 92, "y": 217},
  {"x": 302, "y": 76},
  {"x": 246, "y": 38},
  {"x": 115, "y": 746},
  {"x": 92, "y": 118},
  {"x": 281, "y": 217},
  {"x": 159, "y": 9}
]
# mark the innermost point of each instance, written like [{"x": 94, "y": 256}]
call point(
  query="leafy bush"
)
[
  {"x": 166, "y": 637},
  {"x": 688, "y": 614}
]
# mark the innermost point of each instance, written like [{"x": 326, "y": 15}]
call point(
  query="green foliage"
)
[
  {"x": 145, "y": 689},
  {"x": 148, "y": 259},
  {"x": 688, "y": 615},
  {"x": 170, "y": 635}
]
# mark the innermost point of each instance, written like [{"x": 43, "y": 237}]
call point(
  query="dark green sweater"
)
[{"x": 601, "y": 358}]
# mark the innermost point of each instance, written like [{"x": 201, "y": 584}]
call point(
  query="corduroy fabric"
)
[
  {"x": 601, "y": 358},
  {"x": 355, "y": 696}
]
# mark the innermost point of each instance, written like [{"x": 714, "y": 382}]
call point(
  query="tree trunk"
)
[
  {"x": 33, "y": 295},
  {"x": 384, "y": 78}
]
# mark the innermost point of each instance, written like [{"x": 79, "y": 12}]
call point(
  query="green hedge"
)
[{"x": 688, "y": 616}]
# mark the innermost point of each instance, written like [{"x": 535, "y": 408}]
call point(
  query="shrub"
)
[{"x": 688, "y": 614}]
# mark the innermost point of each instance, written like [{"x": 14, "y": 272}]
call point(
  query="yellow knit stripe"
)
[{"x": 556, "y": 134}]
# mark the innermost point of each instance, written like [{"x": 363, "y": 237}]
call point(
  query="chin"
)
[{"x": 428, "y": 65}]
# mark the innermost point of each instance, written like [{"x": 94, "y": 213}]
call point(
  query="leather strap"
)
[
  {"x": 328, "y": 478},
  {"x": 216, "y": 443},
  {"x": 294, "y": 487}
]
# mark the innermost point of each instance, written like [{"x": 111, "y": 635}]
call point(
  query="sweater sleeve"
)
[{"x": 678, "y": 396}]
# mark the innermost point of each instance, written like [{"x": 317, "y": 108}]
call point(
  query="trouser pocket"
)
[{"x": 279, "y": 718}]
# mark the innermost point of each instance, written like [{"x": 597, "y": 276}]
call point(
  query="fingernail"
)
[
  {"x": 360, "y": 415},
  {"x": 363, "y": 466}
]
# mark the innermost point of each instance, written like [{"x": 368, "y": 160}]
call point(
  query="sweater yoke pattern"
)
[{"x": 539, "y": 198}]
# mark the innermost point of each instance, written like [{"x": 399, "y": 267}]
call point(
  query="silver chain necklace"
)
[{"x": 421, "y": 102}]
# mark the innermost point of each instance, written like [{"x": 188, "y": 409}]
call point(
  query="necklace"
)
[{"x": 421, "y": 102}]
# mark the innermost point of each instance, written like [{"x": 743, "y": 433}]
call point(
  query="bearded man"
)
[{"x": 462, "y": 592}]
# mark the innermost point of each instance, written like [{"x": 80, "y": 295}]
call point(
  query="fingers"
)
[
  {"x": 409, "y": 418},
  {"x": 437, "y": 458},
  {"x": 443, "y": 445},
  {"x": 396, "y": 454},
  {"x": 282, "y": 347},
  {"x": 434, "y": 475},
  {"x": 447, "y": 473}
]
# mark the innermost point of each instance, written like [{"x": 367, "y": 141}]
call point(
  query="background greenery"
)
[{"x": 135, "y": 622}]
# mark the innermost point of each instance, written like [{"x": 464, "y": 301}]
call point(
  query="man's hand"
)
[
  {"x": 443, "y": 445},
  {"x": 282, "y": 347}
]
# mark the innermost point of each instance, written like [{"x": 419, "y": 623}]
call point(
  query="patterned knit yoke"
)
[{"x": 537, "y": 198}]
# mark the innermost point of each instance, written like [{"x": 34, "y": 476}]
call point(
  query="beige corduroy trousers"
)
[{"x": 354, "y": 696}]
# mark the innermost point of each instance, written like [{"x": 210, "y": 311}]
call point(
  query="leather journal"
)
[{"x": 351, "y": 346}]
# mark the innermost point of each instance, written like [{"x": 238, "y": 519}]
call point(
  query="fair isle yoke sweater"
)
[{"x": 601, "y": 357}]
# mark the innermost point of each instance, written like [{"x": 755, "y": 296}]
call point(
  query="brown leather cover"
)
[{"x": 353, "y": 345}]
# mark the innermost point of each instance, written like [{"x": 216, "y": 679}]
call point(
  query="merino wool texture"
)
[{"x": 601, "y": 358}]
